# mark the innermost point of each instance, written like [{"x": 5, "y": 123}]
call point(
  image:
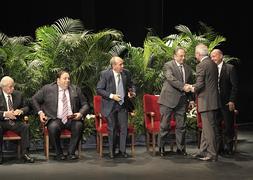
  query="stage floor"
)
[{"x": 142, "y": 166}]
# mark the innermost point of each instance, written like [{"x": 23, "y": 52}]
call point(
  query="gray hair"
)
[
  {"x": 114, "y": 60},
  {"x": 202, "y": 49},
  {"x": 5, "y": 81}
]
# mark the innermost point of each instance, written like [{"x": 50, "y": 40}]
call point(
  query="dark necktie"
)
[
  {"x": 64, "y": 107},
  {"x": 120, "y": 89},
  {"x": 182, "y": 73},
  {"x": 10, "y": 106}
]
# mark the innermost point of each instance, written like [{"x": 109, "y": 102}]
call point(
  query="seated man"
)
[
  {"x": 12, "y": 108},
  {"x": 55, "y": 103}
]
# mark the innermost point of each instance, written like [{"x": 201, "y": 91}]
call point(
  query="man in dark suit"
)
[
  {"x": 12, "y": 109},
  {"x": 62, "y": 105},
  {"x": 173, "y": 99},
  {"x": 228, "y": 86},
  {"x": 116, "y": 88},
  {"x": 206, "y": 88}
]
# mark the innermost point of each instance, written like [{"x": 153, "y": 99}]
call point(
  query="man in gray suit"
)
[
  {"x": 228, "y": 87},
  {"x": 116, "y": 88},
  {"x": 173, "y": 99},
  {"x": 62, "y": 105},
  {"x": 206, "y": 89}
]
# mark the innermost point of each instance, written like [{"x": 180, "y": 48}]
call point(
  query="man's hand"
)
[
  {"x": 43, "y": 117},
  {"x": 187, "y": 87},
  {"x": 78, "y": 116},
  {"x": 131, "y": 94},
  {"x": 231, "y": 106},
  {"x": 10, "y": 115},
  {"x": 18, "y": 112},
  {"x": 116, "y": 97}
]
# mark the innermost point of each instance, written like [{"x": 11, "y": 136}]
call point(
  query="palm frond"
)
[{"x": 68, "y": 25}]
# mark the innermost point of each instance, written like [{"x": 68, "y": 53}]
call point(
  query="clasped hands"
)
[
  {"x": 188, "y": 88},
  {"x": 12, "y": 114}
]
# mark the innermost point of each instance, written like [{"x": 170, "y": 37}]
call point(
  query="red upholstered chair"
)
[
  {"x": 13, "y": 136},
  {"x": 101, "y": 127},
  {"x": 65, "y": 134},
  {"x": 152, "y": 119},
  {"x": 199, "y": 126}
]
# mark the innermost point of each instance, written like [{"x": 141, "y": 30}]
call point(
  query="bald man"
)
[
  {"x": 228, "y": 87},
  {"x": 12, "y": 108}
]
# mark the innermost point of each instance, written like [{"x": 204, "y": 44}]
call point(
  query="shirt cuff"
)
[{"x": 111, "y": 96}]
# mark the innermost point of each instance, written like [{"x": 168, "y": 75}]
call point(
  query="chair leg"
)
[
  {"x": 46, "y": 146},
  {"x": 97, "y": 143},
  {"x": 100, "y": 145},
  {"x": 19, "y": 149},
  {"x": 147, "y": 141},
  {"x": 153, "y": 143},
  {"x": 132, "y": 145}
]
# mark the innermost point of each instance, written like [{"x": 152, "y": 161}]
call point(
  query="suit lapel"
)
[
  {"x": 223, "y": 70},
  {"x": 112, "y": 79},
  {"x": 3, "y": 100}
]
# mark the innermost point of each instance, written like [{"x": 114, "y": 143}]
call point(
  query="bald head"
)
[
  {"x": 217, "y": 56},
  {"x": 7, "y": 84}
]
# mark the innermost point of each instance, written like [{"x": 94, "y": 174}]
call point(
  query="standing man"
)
[
  {"x": 62, "y": 105},
  {"x": 12, "y": 109},
  {"x": 116, "y": 88},
  {"x": 206, "y": 88},
  {"x": 173, "y": 99},
  {"x": 228, "y": 86}
]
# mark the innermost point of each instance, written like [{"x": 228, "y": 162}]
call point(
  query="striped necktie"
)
[{"x": 64, "y": 107}]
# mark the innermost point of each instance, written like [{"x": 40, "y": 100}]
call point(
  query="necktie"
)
[
  {"x": 10, "y": 106},
  {"x": 120, "y": 89},
  {"x": 182, "y": 73},
  {"x": 64, "y": 107}
]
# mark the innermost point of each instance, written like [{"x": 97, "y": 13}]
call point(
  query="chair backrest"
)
[
  {"x": 150, "y": 104},
  {"x": 97, "y": 111}
]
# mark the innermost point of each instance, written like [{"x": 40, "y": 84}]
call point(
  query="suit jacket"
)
[
  {"x": 206, "y": 86},
  {"x": 18, "y": 103},
  {"x": 172, "y": 89},
  {"x": 107, "y": 86},
  {"x": 228, "y": 84},
  {"x": 46, "y": 99}
]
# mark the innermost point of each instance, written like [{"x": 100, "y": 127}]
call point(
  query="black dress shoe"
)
[
  {"x": 197, "y": 155},
  {"x": 72, "y": 157},
  {"x": 122, "y": 155},
  {"x": 111, "y": 155},
  {"x": 28, "y": 159},
  {"x": 179, "y": 152},
  {"x": 60, "y": 157},
  {"x": 162, "y": 151},
  {"x": 208, "y": 159}
]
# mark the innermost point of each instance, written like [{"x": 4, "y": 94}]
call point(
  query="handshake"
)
[{"x": 188, "y": 88}]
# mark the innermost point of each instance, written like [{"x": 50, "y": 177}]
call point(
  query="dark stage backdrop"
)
[{"x": 133, "y": 17}]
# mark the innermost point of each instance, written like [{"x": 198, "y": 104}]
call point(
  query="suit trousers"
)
[
  {"x": 117, "y": 123},
  {"x": 20, "y": 128},
  {"x": 179, "y": 114},
  {"x": 225, "y": 135},
  {"x": 208, "y": 145},
  {"x": 55, "y": 127}
]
